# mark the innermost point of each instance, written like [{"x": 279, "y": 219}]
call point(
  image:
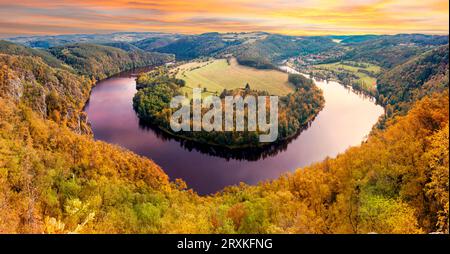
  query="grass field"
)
[
  {"x": 217, "y": 75},
  {"x": 368, "y": 81}
]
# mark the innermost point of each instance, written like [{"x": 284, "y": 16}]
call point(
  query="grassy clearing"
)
[
  {"x": 368, "y": 81},
  {"x": 219, "y": 74},
  {"x": 352, "y": 66}
]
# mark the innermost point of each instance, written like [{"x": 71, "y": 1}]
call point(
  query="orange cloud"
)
[{"x": 301, "y": 17}]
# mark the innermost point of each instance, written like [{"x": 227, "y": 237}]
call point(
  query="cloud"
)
[{"x": 300, "y": 17}]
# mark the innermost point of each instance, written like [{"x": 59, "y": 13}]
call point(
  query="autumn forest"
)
[{"x": 55, "y": 177}]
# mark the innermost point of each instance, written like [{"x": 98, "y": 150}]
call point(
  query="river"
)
[{"x": 346, "y": 120}]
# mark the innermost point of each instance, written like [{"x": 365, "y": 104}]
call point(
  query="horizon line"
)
[{"x": 236, "y": 32}]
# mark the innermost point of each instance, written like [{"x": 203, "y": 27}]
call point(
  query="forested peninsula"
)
[{"x": 295, "y": 110}]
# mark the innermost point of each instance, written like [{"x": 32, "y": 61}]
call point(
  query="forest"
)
[
  {"x": 275, "y": 48},
  {"x": 401, "y": 86},
  {"x": 103, "y": 61},
  {"x": 297, "y": 109},
  {"x": 55, "y": 178}
]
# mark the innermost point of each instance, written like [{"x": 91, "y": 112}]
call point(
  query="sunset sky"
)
[{"x": 296, "y": 17}]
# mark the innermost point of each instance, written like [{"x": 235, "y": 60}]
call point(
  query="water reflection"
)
[
  {"x": 248, "y": 154},
  {"x": 345, "y": 121}
]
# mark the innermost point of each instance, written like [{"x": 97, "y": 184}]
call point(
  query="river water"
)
[{"x": 345, "y": 121}]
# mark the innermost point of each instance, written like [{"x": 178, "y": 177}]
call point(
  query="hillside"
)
[
  {"x": 152, "y": 44},
  {"x": 99, "y": 61},
  {"x": 104, "y": 61},
  {"x": 126, "y": 46},
  {"x": 389, "y": 51},
  {"x": 400, "y": 87},
  {"x": 52, "y": 93},
  {"x": 190, "y": 47},
  {"x": 267, "y": 52},
  {"x": 53, "y": 88},
  {"x": 48, "y": 41},
  {"x": 55, "y": 181},
  {"x": 16, "y": 49},
  {"x": 396, "y": 182}
]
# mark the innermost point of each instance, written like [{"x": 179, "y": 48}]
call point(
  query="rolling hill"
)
[
  {"x": 104, "y": 61},
  {"x": 391, "y": 50},
  {"x": 400, "y": 87},
  {"x": 190, "y": 47}
]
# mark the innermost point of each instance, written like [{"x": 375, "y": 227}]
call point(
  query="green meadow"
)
[
  {"x": 368, "y": 81},
  {"x": 213, "y": 76}
]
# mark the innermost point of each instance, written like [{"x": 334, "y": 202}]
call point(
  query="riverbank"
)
[
  {"x": 295, "y": 110},
  {"x": 346, "y": 119}
]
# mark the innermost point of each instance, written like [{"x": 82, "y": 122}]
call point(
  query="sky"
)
[{"x": 293, "y": 17}]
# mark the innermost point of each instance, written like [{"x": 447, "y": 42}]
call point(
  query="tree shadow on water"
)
[{"x": 247, "y": 154}]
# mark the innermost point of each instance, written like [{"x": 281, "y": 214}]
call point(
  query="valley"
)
[
  {"x": 337, "y": 127},
  {"x": 349, "y": 171}
]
